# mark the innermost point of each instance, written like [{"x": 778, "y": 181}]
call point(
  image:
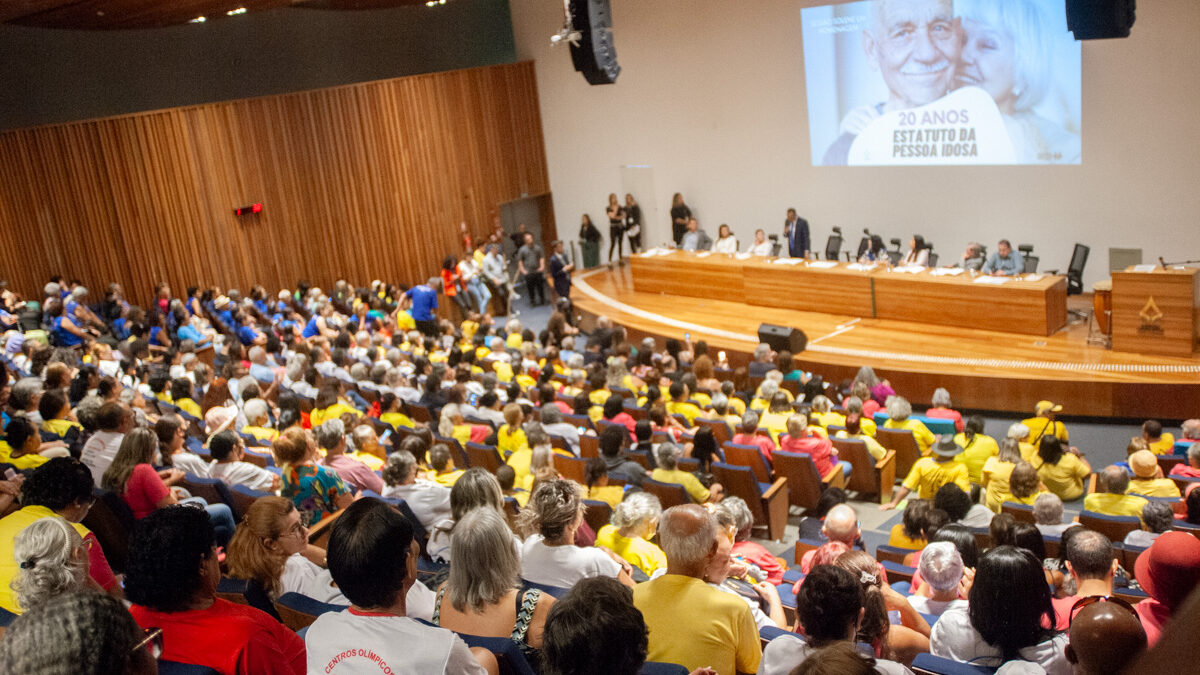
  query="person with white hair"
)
[
  {"x": 429, "y": 501},
  {"x": 940, "y": 409},
  {"x": 841, "y": 524},
  {"x": 259, "y": 368},
  {"x": 634, "y": 523},
  {"x": 257, "y": 415},
  {"x": 1190, "y": 468},
  {"x": 942, "y": 571},
  {"x": 331, "y": 436},
  {"x": 1048, "y": 513},
  {"x": 552, "y": 422},
  {"x": 52, "y": 560},
  {"x": 762, "y": 398},
  {"x": 763, "y": 360},
  {"x": 900, "y": 412},
  {"x": 690, "y": 622}
]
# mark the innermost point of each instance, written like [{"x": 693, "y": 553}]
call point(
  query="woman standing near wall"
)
[
  {"x": 616, "y": 228},
  {"x": 680, "y": 214},
  {"x": 633, "y": 223},
  {"x": 589, "y": 242}
]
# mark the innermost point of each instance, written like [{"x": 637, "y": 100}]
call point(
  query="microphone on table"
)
[{"x": 1160, "y": 262}]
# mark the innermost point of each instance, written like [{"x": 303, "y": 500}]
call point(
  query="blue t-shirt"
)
[
  {"x": 247, "y": 335},
  {"x": 310, "y": 329},
  {"x": 424, "y": 301}
]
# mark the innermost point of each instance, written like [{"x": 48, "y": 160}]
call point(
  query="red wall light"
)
[{"x": 243, "y": 210}]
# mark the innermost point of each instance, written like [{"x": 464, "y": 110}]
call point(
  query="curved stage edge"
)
[{"x": 983, "y": 370}]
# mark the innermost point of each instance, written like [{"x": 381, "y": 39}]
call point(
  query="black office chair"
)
[
  {"x": 933, "y": 259},
  {"x": 1079, "y": 258},
  {"x": 833, "y": 245},
  {"x": 1025, "y": 249},
  {"x": 775, "y": 245},
  {"x": 864, "y": 245},
  {"x": 1031, "y": 264}
]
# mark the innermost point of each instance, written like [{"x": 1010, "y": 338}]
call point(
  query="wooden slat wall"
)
[{"x": 359, "y": 182}]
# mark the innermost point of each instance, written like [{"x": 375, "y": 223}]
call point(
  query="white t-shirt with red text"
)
[{"x": 353, "y": 642}]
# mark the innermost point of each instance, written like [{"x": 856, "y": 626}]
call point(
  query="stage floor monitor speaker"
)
[{"x": 782, "y": 338}]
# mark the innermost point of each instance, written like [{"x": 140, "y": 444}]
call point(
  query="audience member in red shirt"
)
[
  {"x": 172, "y": 577},
  {"x": 841, "y": 525},
  {"x": 802, "y": 439},
  {"x": 863, "y": 393},
  {"x": 1190, "y": 468},
  {"x": 614, "y": 411},
  {"x": 1091, "y": 563},
  {"x": 749, "y": 551},
  {"x": 941, "y": 409},
  {"x": 748, "y": 435}
]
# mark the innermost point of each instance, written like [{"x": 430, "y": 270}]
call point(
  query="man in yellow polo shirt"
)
[
  {"x": 1043, "y": 423},
  {"x": 679, "y": 404},
  {"x": 691, "y": 623},
  {"x": 930, "y": 473},
  {"x": 1159, "y": 441},
  {"x": 1113, "y": 501}
]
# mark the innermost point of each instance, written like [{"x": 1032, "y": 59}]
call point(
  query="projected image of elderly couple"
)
[{"x": 942, "y": 82}]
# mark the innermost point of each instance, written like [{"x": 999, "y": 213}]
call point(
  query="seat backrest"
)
[
  {"x": 928, "y": 664},
  {"x": 740, "y": 481},
  {"x": 748, "y": 455},
  {"x": 1031, "y": 264},
  {"x": 1019, "y": 511},
  {"x": 203, "y": 487},
  {"x": 660, "y": 668},
  {"x": 933, "y": 259},
  {"x": 243, "y": 498},
  {"x": 669, "y": 494},
  {"x": 853, "y": 450},
  {"x": 233, "y": 590},
  {"x": 894, "y": 554},
  {"x": 461, "y": 460},
  {"x": 111, "y": 520},
  {"x": 589, "y": 446},
  {"x": 574, "y": 468},
  {"x": 299, "y": 611},
  {"x": 720, "y": 429},
  {"x": 1113, "y": 527},
  {"x": 1079, "y": 258},
  {"x": 596, "y": 513},
  {"x": 833, "y": 246},
  {"x": 553, "y": 591},
  {"x": 804, "y": 483},
  {"x": 905, "y": 445},
  {"x": 507, "y": 653},
  {"x": 419, "y": 413},
  {"x": 482, "y": 455},
  {"x": 579, "y": 421}
]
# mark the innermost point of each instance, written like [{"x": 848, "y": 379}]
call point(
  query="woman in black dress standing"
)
[
  {"x": 633, "y": 224},
  {"x": 680, "y": 214},
  {"x": 616, "y": 228},
  {"x": 589, "y": 238}
]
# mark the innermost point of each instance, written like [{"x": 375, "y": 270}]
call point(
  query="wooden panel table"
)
[
  {"x": 1156, "y": 312},
  {"x": 1031, "y": 307},
  {"x": 1018, "y": 305}
]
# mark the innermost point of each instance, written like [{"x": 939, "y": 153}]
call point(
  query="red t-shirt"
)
[
  {"x": 765, "y": 445},
  {"x": 100, "y": 571},
  {"x": 946, "y": 414},
  {"x": 230, "y": 638},
  {"x": 758, "y": 555},
  {"x": 1154, "y": 616},
  {"x": 628, "y": 422},
  {"x": 144, "y": 491},
  {"x": 1185, "y": 471},
  {"x": 820, "y": 449}
]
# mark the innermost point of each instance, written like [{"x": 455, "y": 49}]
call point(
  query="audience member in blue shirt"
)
[
  {"x": 1005, "y": 261},
  {"x": 423, "y": 298}
]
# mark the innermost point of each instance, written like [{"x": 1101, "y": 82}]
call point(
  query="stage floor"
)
[{"x": 984, "y": 370}]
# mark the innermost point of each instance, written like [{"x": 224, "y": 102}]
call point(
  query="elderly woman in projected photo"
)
[{"x": 1006, "y": 53}]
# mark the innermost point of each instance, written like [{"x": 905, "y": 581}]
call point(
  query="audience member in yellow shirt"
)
[
  {"x": 1113, "y": 501},
  {"x": 997, "y": 471},
  {"x": 510, "y": 437},
  {"x": 914, "y": 523},
  {"x": 899, "y": 413},
  {"x": 633, "y": 524},
  {"x": 389, "y": 403},
  {"x": 668, "y": 459},
  {"x": 853, "y": 431},
  {"x": 442, "y": 462},
  {"x": 977, "y": 447},
  {"x": 1159, "y": 442},
  {"x": 1147, "y": 479},
  {"x": 1024, "y": 487},
  {"x": 854, "y": 406},
  {"x": 775, "y": 418},
  {"x": 823, "y": 414},
  {"x": 56, "y": 414},
  {"x": 1043, "y": 423},
  {"x": 1063, "y": 471},
  {"x": 21, "y": 444},
  {"x": 930, "y": 473},
  {"x": 679, "y": 405}
]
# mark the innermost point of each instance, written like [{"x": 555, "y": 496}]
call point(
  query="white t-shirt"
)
[
  {"x": 787, "y": 651},
  {"x": 193, "y": 464},
  {"x": 764, "y": 248},
  {"x": 429, "y": 501},
  {"x": 563, "y": 566},
  {"x": 303, "y": 576},
  {"x": 351, "y": 642},
  {"x": 926, "y": 605},
  {"x": 99, "y": 451},
  {"x": 725, "y": 245},
  {"x": 1055, "y": 530},
  {"x": 954, "y": 637},
  {"x": 243, "y": 473},
  {"x": 978, "y": 516}
]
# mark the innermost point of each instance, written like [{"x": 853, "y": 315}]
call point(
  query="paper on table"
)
[
  {"x": 909, "y": 269},
  {"x": 1144, "y": 268},
  {"x": 1032, "y": 277},
  {"x": 703, "y": 254},
  {"x": 947, "y": 271},
  {"x": 859, "y": 267},
  {"x": 742, "y": 256},
  {"x": 788, "y": 261},
  {"x": 823, "y": 264},
  {"x": 995, "y": 281}
]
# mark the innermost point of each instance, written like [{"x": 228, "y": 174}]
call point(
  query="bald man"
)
[
  {"x": 690, "y": 622},
  {"x": 841, "y": 524},
  {"x": 1105, "y": 637}
]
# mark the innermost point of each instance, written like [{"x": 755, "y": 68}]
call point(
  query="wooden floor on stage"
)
[{"x": 1047, "y": 364}]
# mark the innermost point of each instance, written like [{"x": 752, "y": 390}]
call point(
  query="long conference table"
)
[{"x": 1029, "y": 304}]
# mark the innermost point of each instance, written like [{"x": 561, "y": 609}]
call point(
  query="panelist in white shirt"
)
[
  {"x": 726, "y": 242},
  {"x": 760, "y": 246}
]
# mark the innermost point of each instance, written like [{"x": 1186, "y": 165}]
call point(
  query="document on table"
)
[
  {"x": 909, "y": 269},
  {"x": 947, "y": 271},
  {"x": 860, "y": 267},
  {"x": 742, "y": 256},
  {"x": 994, "y": 281},
  {"x": 1032, "y": 277},
  {"x": 1144, "y": 268},
  {"x": 823, "y": 264},
  {"x": 703, "y": 254},
  {"x": 788, "y": 261}
]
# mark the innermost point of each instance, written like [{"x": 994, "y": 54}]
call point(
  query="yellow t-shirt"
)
[
  {"x": 509, "y": 440},
  {"x": 689, "y": 411},
  {"x": 609, "y": 494},
  {"x": 927, "y": 475},
  {"x": 526, "y": 381},
  {"x": 1153, "y": 487},
  {"x": 776, "y": 423},
  {"x": 190, "y": 407},
  {"x": 738, "y": 406},
  {"x": 975, "y": 455},
  {"x": 599, "y": 396},
  {"x": 877, "y": 451},
  {"x": 397, "y": 419},
  {"x": 514, "y": 341},
  {"x": 449, "y": 478},
  {"x": 261, "y": 433},
  {"x": 1042, "y": 426},
  {"x": 1114, "y": 505},
  {"x": 694, "y": 487},
  {"x": 1028, "y": 501},
  {"x": 829, "y": 419},
  {"x": 1064, "y": 479},
  {"x": 319, "y": 417},
  {"x": 1165, "y": 445},
  {"x": 1028, "y": 451},
  {"x": 898, "y": 539},
  {"x": 27, "y": 461},
  {"x": 702, "y": 398},
  {"x": 60, "y": 427},
  {"x": 519, "y": 461},
  {"x": 404, "y": 321},
  {"x": 10, "y": 526},
  {"x": 696, "y": 625},
  {"x": 995, "y": 477},
  {"x": 503, "y": 370},
  {"x": 635, "y": 550},
  {"x": 373, "y": 463},
  {"x": 925, "y": 437}
]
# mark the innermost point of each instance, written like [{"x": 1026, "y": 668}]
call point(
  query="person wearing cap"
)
[
  {"x": 932, "y": 472},
  {"x": 1105, "y": 637},
  {"x": 1061, "y": 469},
  {"x": 1113, "y": 501},
  {"x": 1043, "y": 423},
  {"x": 1167, "y": 571},
  {"x": 1147, "y": 479}
]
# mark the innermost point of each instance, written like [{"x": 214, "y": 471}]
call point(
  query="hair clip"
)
[
  {"x": 27, "y": 564},
  {"x": 868, "y": 578}
]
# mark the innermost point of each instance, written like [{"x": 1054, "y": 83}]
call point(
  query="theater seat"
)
[
  {"x": 928, "y": 664},
  {"x": 1022, "y": 512},
  {"x": 669, "y": 494},
  {"x": 554, "y": 591},
  {"x": 300, "y": 611},
  {"x": 656, "y": 668},
  {"x": 767, "y": 501},
  {"x": 1113, "y": 527},
  {"x": 507, "y": 653}
]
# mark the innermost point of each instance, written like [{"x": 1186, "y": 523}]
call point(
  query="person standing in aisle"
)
[
  {"x": 795, "y": 230},
  {"x": 531, "y": 263}
]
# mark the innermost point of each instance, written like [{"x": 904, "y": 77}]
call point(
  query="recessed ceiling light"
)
[
  {"x": 198, "y": 19},
  {"x": 235, "y": 12}
]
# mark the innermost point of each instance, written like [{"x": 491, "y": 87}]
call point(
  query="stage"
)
[{"x": 983, "y": 369}]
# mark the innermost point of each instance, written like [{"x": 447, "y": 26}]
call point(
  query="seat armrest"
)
[
  {"x": 776, "y": 487},
  {"x": 889, "y": 457}
]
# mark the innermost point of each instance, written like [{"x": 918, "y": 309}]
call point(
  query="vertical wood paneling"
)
[{"x": 359, "y": 182}]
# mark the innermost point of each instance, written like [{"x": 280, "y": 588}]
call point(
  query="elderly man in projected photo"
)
[{"x": 915, "y": 45}]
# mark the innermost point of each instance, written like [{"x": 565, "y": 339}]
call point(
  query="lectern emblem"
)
[{"x": 1151, "y": 316}]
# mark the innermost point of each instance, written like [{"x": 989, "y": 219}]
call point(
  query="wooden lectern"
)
[{"x": 1156, "y": 312}]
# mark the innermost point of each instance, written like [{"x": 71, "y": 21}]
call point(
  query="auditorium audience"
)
[
  {"x": 549, "y": 555},
  {"x": 942, "y": 570},
  {"x": 1048, "y": 513},
  {"x": 429, "y": 501},
  {"x": 52, "y": 560},
  {"x": 1191, "y": 467},
  {"x": 317, "y": 491},
  {"x": 751, "y": 552},
  {"x": 1092, "y": 567},
  {"x": 172, "y": 578},
  {"x": 667, "y": 471},
  {"x": 1147, "y": 478},
  {"x": 1045, "y": 423},
  {"x": 960, "y": 508},
  {"x": 476, "y": 489},
  {"x": 997, "y": 471},
  {"x": 928, "y": 474},
  {"x": 595, "y": 630},
  {"x": 373, "y": 560},
  {"x": 901, "y": 642},
  {"x": 228, "y": 451},
  {"x": 737, "y": 578},
  {"x": 841, "y": 525},
  {"x": 899, "y": 412}
]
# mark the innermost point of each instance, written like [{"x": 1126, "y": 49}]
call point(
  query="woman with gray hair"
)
[
  {"x": 331, "y": 436},
  {"x": 52, "y": 560},
  {"x": 479, "y": 598},
  {"x": 762, "y": 398},
  {"x": 942, "y": 571},
  {"x": 899, "y": 412},
  {"x": 549, "y": 555},
  {"x": 475, "y": 489},
  {"x": 749, "y": 551},
  {"x": 1048, "y": 513},
  {"x": 634, "y": 522},
  {"x": 79, "y": 634},
  {"x": 940, "y": 408}
]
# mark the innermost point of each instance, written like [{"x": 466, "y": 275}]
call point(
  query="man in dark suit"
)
[{"x": 795, "y": 230}]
